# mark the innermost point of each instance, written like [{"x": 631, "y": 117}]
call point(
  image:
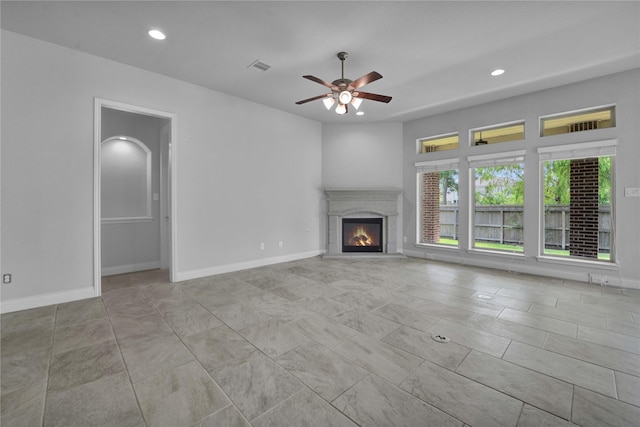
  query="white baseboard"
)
[
  {"x": 26, "y": 303},
  {"x": 129, "y": 268},
  {"x": 196, "y": 274}
]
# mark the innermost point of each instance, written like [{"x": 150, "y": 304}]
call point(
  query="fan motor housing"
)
[{"x": 341, "y": 83}]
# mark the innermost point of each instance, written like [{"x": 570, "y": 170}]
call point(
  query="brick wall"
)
[
  {"x": 583, "y": 208},
  {"x": 430, "y": 220}
]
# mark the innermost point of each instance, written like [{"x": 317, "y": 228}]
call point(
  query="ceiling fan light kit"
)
[
  {"x": 328, "y": 102},
  {"x": 345, "y": 91},
  {"x": 345, "y": 97}
]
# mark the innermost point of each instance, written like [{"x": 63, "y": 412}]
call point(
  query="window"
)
[
  {"x": 438, "y": 143},
  {"x": 578, "y": 121},
  {"x": 578, "y": 201},
  {"x": 498, "y": 194},
  {"x": 438, "y": 208},
  {"x": 496, "y": 134}
]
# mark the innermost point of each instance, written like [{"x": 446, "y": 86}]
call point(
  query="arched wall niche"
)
[{"x": 125, "y": 181}]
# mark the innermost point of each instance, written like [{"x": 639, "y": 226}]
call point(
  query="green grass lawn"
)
[
  {"x": 560, "y": 252},
  {"x": 514, "y": 248},
  {"x": 485, "y": 245},
  {"x": 449, "y": 242}
]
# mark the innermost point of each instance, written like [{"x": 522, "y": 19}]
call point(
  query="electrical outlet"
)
[
  {"x": 631, "y": 192},
  {"x": 6, "y": 278},
  {"x": 404, "y": 239},
  {"x": 262, "y": 246},
  {"x": 280, "y": 244},
  {"x": 598, "y": 278}
]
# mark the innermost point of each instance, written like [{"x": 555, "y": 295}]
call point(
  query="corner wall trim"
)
[
  {"x": 196, "y": 274},
  {"x": 17, "y": 304}
]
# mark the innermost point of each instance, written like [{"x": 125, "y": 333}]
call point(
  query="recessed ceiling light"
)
[
  {"x": 360, "y": 113},
  {"x": 497, "y": 72},
  {"x": 157, "y": 34}
]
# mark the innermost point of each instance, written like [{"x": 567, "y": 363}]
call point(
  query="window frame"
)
[
  {"x": 427, "y": 167},
  {"x": 488, "y": 160},
  {"x": 602, "y": 148},
  {"x": 581, "y": 111},
  {"x": 472, "y": 140},
  {"x": 420, "y": 141}
]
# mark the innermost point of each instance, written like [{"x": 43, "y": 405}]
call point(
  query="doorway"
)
[{"x": 119, "y": 225}]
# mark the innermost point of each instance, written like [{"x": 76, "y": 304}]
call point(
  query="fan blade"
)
[
  {"x": 304, "y": 101},
  {"x": 372, "y": 96},
  {"x": 365, "y": 80},
  {"x": 322, "y": 82}
]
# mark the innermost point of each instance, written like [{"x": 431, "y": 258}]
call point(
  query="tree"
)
[
  {"x": 448, "y": 184},
  {"x": 502, "y": 185},
  {"x": 557, "y": 181},
  {"x": 604, "y": 180}
]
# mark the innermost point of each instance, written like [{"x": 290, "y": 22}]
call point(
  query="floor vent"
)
[{"x": 440, "y": 338}]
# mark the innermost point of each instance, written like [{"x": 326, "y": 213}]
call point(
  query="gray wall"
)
[
  {"x": 246, "y": 174},
  {"x": 621, "y": 89},
  {"x": 367, "y": 155}
]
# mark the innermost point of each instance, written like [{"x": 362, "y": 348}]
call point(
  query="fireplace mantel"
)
[
  {"x": 382, "y": 201},
  {"x": 349, "y": 202}
]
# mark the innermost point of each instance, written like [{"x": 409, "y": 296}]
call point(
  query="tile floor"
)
[{"x": 328, "y": 343}]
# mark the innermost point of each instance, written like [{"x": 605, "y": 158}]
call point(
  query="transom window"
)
[
  {"x": 438, "y": 143},
  {"x": 496, "y": 134},
  {"x": 578, "y": 121}
]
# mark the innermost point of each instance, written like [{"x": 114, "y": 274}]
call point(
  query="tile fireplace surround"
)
[{"x": 363, "y": 203}]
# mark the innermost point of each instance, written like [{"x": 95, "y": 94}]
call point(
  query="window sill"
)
[
  {"x": 496, "y": 253},
  {"x": 436, "y": 245},
  {"x": 573, "y": 261}
]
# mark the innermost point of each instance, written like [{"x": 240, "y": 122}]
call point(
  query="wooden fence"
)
[{"x": 504, "y": 224}]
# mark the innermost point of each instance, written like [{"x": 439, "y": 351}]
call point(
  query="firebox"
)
[{"x": 362, "y": 235}]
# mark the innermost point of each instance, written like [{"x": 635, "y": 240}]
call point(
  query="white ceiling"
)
[{"x": 434, "y": 55}]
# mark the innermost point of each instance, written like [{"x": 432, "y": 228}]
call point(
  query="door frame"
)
[{"x": 171, "y": 193}]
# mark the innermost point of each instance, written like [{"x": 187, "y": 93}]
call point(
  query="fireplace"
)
[
  {"x": 374, "y": 210},
  {"x": 362, "y": 235}
]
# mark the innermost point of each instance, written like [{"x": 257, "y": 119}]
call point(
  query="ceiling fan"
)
[{"x": 345, "y": 91}]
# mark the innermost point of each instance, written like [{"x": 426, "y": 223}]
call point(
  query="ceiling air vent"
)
[{"x": 259, "y": 65}]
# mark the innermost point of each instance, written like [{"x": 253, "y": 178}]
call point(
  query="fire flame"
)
[{"x": 361, "y": 238}]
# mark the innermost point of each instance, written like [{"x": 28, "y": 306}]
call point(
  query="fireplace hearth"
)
[{"x": 362, "y": 235}]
